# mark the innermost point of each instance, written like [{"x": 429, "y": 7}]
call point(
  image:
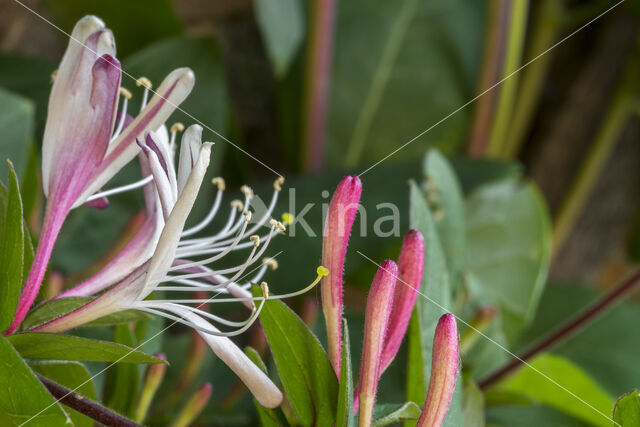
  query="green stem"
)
[
  {"x": 547, "y": 22},
  {"x": 379, "y": 83},
  {"x": 591, "y": 168},
  {"x": 506, "y": 98}
]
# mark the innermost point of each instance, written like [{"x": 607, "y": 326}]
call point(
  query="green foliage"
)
[
  {"x": 73, "y": 376},
  {"x": 16, "y": 124},
  {"x": 389, "y": 414},
  {"x": 344, "y": 417},
  {"x": 509, "y": 246},
  {"x": 268, "y": 417},
  {"x": 416, "y": 388},
  {"x": 122, "y": 379},
  {"x": 12, "y": 239},
  {"x": 627, "y": 410},
  {"x": 282, "y": 25},
  {"x": 36, "y": 345},
  {"x": 560, "y": 384},
  {"x": 308, "y": 378},
  {"x": 22, "y": 396},
  {"x": 473, "y": 406}
]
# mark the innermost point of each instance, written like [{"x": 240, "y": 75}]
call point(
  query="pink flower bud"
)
[
  {"x": 375, "y": 324},
  {"x": 410, "y": 267},
  {"x": 444, "y": 369},
  {"x": 337, "y": 228},
  {"x": 194, "y": 406}
]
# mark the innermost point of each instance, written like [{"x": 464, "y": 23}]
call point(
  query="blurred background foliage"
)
[{"x": 550, "y": 185}]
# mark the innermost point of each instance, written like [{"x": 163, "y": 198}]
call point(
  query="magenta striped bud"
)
[
  {"x": 376, "y": 319},
  {"x": 444, "y": 370},
  {"x": 337, "y": 228},
  {"x": 410, "y": 268}
]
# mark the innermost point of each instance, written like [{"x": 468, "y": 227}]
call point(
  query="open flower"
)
[
  {"x": 171, "y": 262},
  {"x": 83, "y": 146}
]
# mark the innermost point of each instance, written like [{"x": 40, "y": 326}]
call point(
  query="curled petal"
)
[
  {"x": 188, "y": 153},
  {"x": 444, "y": 370},
  {"x": 340, "y": 217}
]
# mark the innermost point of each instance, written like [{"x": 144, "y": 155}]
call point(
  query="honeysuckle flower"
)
[
  {"x": 410, "y": 268},
  {"x": 177, "y": 193},
  {"x": 444, "y": 370},
  {"x": 376, "y": 319},
  {"x": 83, "y": 146},
  {"x": 337, "y": 228}
]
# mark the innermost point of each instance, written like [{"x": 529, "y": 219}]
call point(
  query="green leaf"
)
[
  {"x": 281, "y": 23},
  {"x": 52, "y": 309},
  {"x": 124, "y": 19},
  {"x": 16, "y": 128},
  {"x": 416, "y": 390},
  {"x": 308, "y": 378},
  {"x": 509, "y": 246},
  {"x": 74, "y": 376},
  {"x": 268, "y": 417},
  {"x": 30, "y": 186},
  {"x": 434, "y": 298},
  {"x": 22, "y": 395},
  {"x": 444, "y": 195},
  {"x": 474, "y": 172},
  {"x": 11, "y": 253},
  {"x": 122, "y": 381},
  {"x": 387, "y": 414},
  {"x": 534, "y": 382},
  {"x": 344, "y": 416},
  {"x": 627, "y": 410},
  {"x": 37, "y": 345},
  {"x": 473, "y": 406},
  {"x": 386, "y": 54}
]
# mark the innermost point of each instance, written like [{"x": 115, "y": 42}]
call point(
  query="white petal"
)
[
  {"x": 167, "y": 245},
  {"x": 191, "y": 141},
  {"x": 264, "y": 390}
]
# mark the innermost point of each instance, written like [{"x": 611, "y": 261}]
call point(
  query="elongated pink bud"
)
[
  {"x": 375, "y": 324},
  {"x": 444, "y": 369},
  {"x": 194, "y": 406},
  {"x": 410, "y": 268},
  {"x": 337, "y": 228}
]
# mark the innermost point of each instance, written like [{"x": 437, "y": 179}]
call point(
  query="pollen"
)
[
  {"x": 177, "y": 127},
  {"x": 125, "y": 92},
  {"x": 219, "y": 182},
  {"x": 255, "y": 239},
  {"x": 143, "y": 81},
  {"x": 277, "y": 184},
  {"x": 237, "y": 204},
  {"x": 265, "y": 289},
  {"x": 270, "y": 262},
  {"x": 322, "y": 271},
  {"x": 247, "y": 216},
  {"x": 287, "y": 218},
  {"x": 54, "y": 73},
  {"x": 277, "y": 224},
  {"x": 247, "y": 191}
]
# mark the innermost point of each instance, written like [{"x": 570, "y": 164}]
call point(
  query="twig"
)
[
  {"x": 85, "y": 406},
  {"x": 568, "y": 329}
]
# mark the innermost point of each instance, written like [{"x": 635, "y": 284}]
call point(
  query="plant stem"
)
[
  {"x": 574, "y": 325},
  {"x": 495, "y": 41},
  {"x": 547, "y": 22},
  {"x": 318, "y": 72},
  {"x": 593, "y": 164},
  {"x": 507, "y": 95},
  {"x": 85, "y": 406}
]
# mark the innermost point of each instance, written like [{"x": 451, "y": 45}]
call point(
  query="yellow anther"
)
[
  {"x": 322, "y": 271},
  {"x": 54, "y": 73},
  {"x": 287, "y": 218},
  {"x": 270, "y": 262},
  {"x": 247, "y": 191},
  {"x": 247, "y": 216},
  {"x": 125, "y": 92},
  {"x": 265, "y": 289},
  {"x": 255, "y": 239},
  {"x": 277, "y": 184},
  {"x": 143, "y": 81},
  {"x": 177, "y": 127},
  {"x": 237, "y": 204},
  {"x": 277, "y": 224},
  {"x": 219, "y": 182}
]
